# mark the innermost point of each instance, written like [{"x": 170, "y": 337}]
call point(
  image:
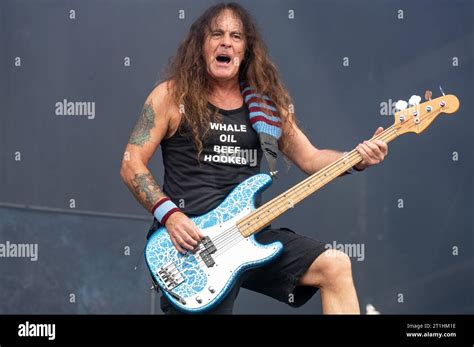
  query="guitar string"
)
[
  {"x": 386, "y": 134},
  {"x": 227, "y": 238},
  {"x": 329, "y": 172},
  {"x": 257, "y": 215}
]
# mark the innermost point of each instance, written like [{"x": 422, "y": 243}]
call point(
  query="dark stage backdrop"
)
[{"x": 407, "y": 224}]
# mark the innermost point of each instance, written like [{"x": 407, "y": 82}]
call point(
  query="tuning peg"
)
[
  {"x": 401, "y": 105},
  {"x": 414, "y": 100}
]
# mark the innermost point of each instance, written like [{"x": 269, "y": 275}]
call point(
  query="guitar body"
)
[{"x": 197, "y": 281}]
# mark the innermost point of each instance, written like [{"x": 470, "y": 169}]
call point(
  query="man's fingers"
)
[
  {"x": 189, "y": 239},
  {"x": 375, "y": 150},
  {"x": 198, "y": 231},
  {"x": 176, "y": 245},
  {"x": 382, "y": 145},
  {"x": 378, "y": 131},
  {"x": 193, "y": 231},
  {"x": 184, "y": 244},
  {"x": 363, "y": 152}
]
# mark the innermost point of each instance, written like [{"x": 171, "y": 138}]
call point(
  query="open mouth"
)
[{"x": 222, "y": 58}]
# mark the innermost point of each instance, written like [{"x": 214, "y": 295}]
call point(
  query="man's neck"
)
[{"x": 225, "y": 94}]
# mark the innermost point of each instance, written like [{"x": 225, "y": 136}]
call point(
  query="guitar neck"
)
[{"x": 274, "y": 208}]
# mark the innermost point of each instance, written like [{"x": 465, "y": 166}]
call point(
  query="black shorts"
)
[{"x": 277, "y": 279}]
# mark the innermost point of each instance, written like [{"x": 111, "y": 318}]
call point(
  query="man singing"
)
[{"x": 201, "y": 115}]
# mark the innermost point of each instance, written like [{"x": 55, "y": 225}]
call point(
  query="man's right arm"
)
[{"x": 151, "y": 128}]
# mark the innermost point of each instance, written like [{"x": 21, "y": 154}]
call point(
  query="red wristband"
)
[{"x": 163, "y": 209}]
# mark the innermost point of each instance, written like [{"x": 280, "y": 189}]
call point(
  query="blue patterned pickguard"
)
[{"x": 160, "y": 251}]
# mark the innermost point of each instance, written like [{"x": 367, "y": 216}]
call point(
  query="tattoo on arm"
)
[
  {"x": 146, "y": 184},
  {"x": 146, "y": 122}
]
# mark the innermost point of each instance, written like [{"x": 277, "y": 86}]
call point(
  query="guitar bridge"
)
[{"x": 170, "y": 276}]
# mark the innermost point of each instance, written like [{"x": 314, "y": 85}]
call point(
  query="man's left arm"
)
[{"x": 310, "y": 159}]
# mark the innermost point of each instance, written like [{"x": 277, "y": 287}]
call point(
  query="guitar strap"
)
[{"x": 265, "y": 121}]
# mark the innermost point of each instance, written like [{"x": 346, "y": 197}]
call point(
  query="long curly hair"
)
[{"x": 188, "y": 71}]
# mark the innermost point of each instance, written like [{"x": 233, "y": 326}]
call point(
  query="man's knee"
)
[{"x": 332, "y": 268}]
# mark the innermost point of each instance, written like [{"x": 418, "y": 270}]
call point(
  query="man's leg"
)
[{"x": 331, "y": 273}]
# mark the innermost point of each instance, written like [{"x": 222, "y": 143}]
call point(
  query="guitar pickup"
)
[
  {"x": 208, "y": 249},
  {"x": 207, "y": 258},
  {"x": 208, "y": 245}
]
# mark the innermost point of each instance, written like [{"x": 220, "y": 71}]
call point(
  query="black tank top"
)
[{"x": 231, "y": 153}]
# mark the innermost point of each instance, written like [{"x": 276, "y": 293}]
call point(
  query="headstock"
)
[{"x": 418, "y": 117}]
